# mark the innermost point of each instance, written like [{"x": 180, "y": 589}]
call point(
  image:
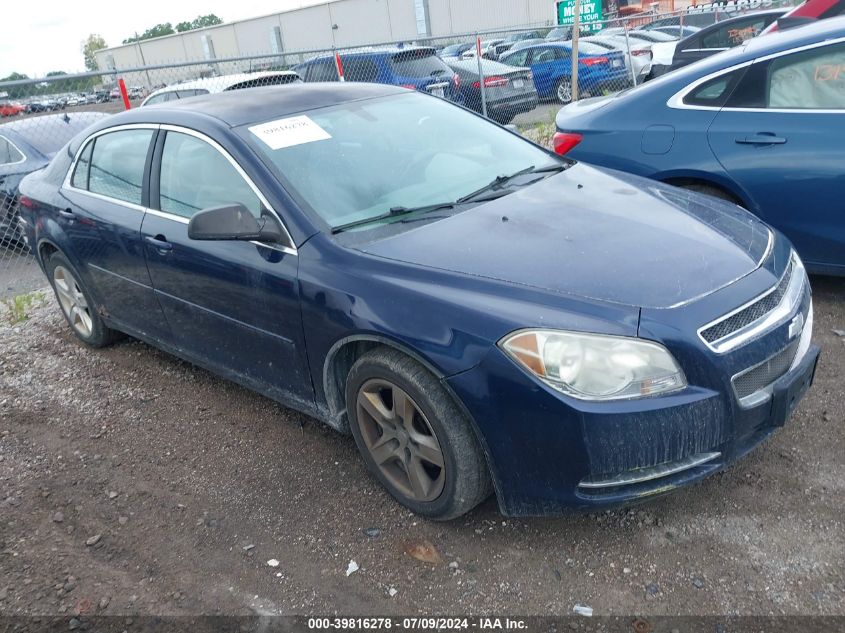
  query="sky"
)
[{"x": 45, "y": 35}]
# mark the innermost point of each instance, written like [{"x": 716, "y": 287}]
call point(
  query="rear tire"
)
[
  {"x": 77, "y": 304},
  {"x": 413, "y": 437},
  {"x": 563, "y": 91}
]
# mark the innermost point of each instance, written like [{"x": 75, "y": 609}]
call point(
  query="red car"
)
[
  {"x": 10, "y": 109},
  {"x": 811, "y": 9}
]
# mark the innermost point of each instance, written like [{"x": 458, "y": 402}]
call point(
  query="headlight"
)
[{"x": 595, "y": 366}]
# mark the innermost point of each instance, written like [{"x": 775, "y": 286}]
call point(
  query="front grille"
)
[
  {"x": 750, "y": 313},
  {"x": 760, "y": 376}
]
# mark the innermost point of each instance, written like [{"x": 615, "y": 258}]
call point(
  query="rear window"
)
[
  {"x": 589, "y": 48},
  {"x": 418, "y": 64},
  {"x": 272, "y": 80}
]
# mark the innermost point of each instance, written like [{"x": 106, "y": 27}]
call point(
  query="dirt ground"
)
[{"x": 134, "y": 483}]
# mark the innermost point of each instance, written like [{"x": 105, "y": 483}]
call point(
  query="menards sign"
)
[
  {"x": 591, "y": 13},
  {"x": 730, "y": 6}
]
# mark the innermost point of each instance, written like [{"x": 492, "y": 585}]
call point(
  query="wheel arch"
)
[
  {"x": 339, "y": 360},
  {"x": 680, "y": 179}
]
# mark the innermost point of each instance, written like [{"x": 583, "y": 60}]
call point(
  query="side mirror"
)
[{"x": 233, "y": 222}]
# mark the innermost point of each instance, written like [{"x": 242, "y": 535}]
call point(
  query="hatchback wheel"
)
[
  {"x": 564, "y": 90},
  {"x": 413, "y": 437},
  {"x": 76, "y": 303}
]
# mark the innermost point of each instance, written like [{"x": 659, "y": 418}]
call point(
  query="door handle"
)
[
  {"x": 159, "y": 242},
  {"x": 66, "y": 214},
  {"x": 763, "y": 138}
]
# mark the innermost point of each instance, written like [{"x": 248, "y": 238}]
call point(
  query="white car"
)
[
  {"x": 211, "y": 85},
  {"x": 639, "y": 56}
]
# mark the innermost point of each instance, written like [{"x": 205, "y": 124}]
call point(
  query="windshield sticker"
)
[{"x": 295, "y": 130}]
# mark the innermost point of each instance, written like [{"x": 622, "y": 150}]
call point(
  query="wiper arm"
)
[
  {"x": 392, "y": 213},
  {"x": 498, "y": 181}
]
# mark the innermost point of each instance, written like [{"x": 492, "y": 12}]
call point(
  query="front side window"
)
[
  {"x": 196, "y": 176},
  {"x": 361, "y": 159},
  {"x": 812, "y": 79},
  {"x": 117, "y": 164},
  {"x": 9, "y": 154}
]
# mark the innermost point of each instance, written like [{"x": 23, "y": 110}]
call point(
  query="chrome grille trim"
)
[
  {"x": 648, "y": 474},
  {"x": 759, "y": 315}
]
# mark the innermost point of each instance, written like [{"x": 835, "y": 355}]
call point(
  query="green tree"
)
[
  {"x": 159, "y": 30},
  {"x": 92, "y": 44},
  {"x": 200, "y": 22}
]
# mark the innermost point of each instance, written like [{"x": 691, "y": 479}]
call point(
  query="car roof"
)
[
  {"x": 381, "y": 50},
  {"x": 221, "y": 83},
  {"x": 252, "y": 105},
  {"x": 48, "y": 133}
]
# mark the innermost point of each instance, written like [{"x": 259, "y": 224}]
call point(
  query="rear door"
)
[
  {"x": 233, "y": 305},
  {"x": 106, "y": 194},
  {"x": 781, "y": 136}
]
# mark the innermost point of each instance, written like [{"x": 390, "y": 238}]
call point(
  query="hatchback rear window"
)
[{"x": 418, "y": 64}]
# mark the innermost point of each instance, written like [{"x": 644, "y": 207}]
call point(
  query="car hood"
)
[{"x": 596, "y": 234}]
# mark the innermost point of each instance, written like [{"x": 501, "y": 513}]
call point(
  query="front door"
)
[
  {"x": 233, "y": 305},
  {"x": 781, "y": 137}
]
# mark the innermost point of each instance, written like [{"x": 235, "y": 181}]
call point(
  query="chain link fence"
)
[{"x": 520, "y": 75}]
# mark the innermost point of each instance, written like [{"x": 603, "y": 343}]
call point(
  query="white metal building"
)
[{"x": 336, "y": 23}]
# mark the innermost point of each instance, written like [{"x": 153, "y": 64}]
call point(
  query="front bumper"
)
[{"x": 542, "y": 445}]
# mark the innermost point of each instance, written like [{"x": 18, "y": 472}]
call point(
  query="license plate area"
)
[
  {"x": 438, "y": 90},
  {"x": 786, "y": 399},
  {"x": 518, "y": 83}
]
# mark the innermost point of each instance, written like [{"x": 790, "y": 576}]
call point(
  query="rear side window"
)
[
  {"x": 83, "y": 168},
  {"x": 196, "y": 176},
  {"x": 166, "y": 96},
  {"x": 9, "y": 153},
  {"x": 117, "y": 164},
  {"x": 715, "y": 93},
  {"x": 418, "y": 64}
]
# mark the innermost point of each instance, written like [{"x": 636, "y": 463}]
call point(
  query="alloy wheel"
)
[
  {"x": 73, "y": 301},
  {"x": 564, "y": 91},
  {"x": 400, "y": 440}
]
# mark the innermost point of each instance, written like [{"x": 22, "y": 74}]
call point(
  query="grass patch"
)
[{"x": 18, "y": 308}]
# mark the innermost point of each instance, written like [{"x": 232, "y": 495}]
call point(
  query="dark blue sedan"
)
[
  {"x": 761, "y": 125},
  {"x": 481, "y": 315}
]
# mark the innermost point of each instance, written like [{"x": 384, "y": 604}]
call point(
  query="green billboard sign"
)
[{"x": 592, "y": 13}]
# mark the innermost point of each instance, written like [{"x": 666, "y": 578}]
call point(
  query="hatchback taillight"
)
[
  {"x": 456, "y": 79},
  {"x": 565, "y": 141}
]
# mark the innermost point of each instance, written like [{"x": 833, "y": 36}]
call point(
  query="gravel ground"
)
[{"x": 134, "y": 483}]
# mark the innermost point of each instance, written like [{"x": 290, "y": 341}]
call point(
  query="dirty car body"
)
[{"x": 548, "y": 256}]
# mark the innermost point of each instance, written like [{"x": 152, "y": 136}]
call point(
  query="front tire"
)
[
  {"x": 77, "y": 304},
  {"x": 413, "y": 437}
]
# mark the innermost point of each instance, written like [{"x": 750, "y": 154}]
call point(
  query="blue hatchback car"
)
[
  {"x": 599, "y": 69},
  {"x": 413, "y": 67},
  {"x": 761, "y": 125},
  {"x": 481, "y": 315}
]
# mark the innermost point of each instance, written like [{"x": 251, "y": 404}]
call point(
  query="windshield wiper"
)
[
  {"x": 498, "y": 181},
  {"x": 394, "y": 212}
]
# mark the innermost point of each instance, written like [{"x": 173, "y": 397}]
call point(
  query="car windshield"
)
[{"x": 363, "y": 159}]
